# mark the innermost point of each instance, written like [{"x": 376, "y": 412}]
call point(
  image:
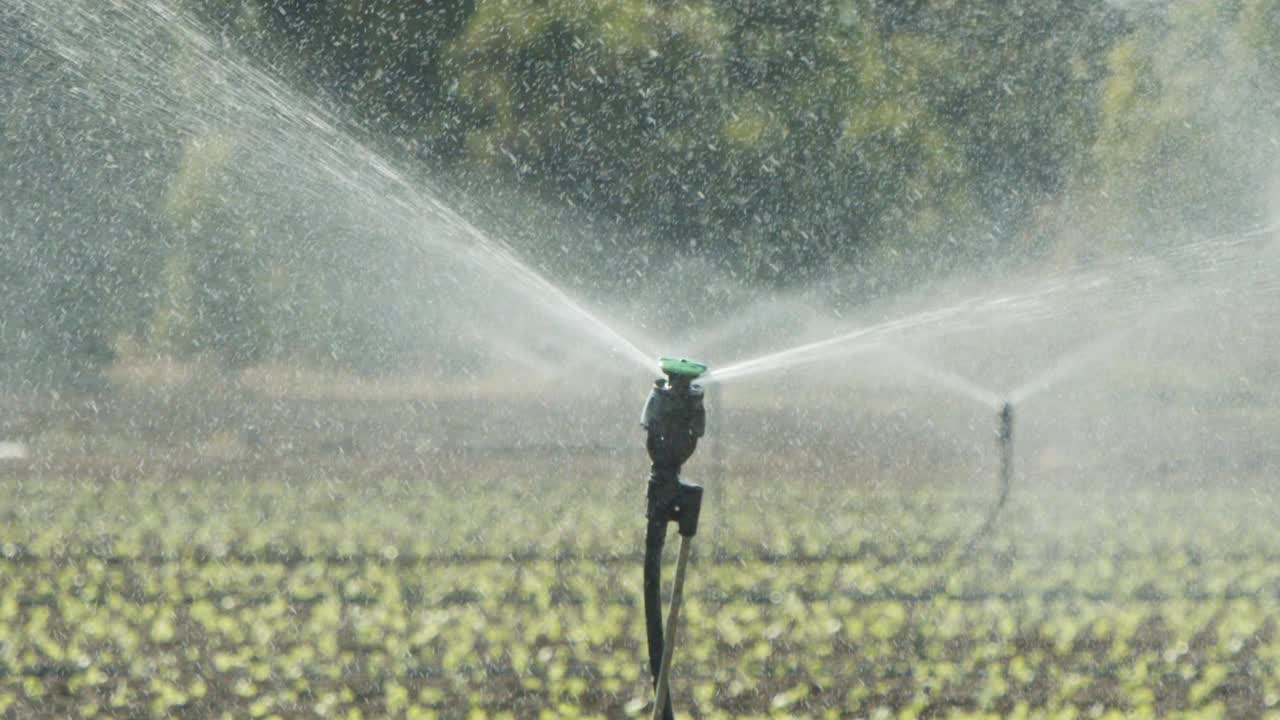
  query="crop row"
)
[
  {"x": 1129, "y": 577},
  {"x": 378, "y": 639},
  {"x": 168, "y": 596},
  {"x": 165, "y": 517}
]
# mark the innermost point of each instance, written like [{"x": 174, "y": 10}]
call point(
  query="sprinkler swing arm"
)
[{"x": 674, "y": 418}]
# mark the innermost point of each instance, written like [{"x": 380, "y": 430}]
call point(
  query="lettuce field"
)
[{"x": 375, "y": 573}]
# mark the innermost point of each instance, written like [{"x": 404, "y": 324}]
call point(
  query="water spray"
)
[
  {"x": 674, "y": 418},
  {"x": 1004, "y": 437}
]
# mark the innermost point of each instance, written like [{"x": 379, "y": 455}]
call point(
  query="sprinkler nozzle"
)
[
  {"x": 681, "y": 372},
  {"x": 682, "y": 366}
]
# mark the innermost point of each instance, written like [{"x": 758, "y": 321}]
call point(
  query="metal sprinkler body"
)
[{"x": 674, "y": 419}]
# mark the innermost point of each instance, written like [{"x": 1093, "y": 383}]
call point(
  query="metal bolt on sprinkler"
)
[{"x": 674, "y": 418}]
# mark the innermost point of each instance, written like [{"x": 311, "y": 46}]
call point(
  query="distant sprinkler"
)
[
  {"x": 1006, "y": 451},
  {"x": 674, "y": 418},
  {"x": 1004, "y": 436}
]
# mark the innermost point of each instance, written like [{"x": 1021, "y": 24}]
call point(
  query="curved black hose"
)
[{"x": 654, "y": 538}]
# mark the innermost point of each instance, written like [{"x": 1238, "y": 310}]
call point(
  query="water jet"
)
[{"x": 283, "y": 159}]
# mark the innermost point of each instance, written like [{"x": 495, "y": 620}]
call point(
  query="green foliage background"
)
[{"x": 859, "y": 143}]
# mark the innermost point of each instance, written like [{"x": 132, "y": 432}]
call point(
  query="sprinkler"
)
[
  {"x": 1006, "y": 453},
  {"x": 1004, "y": 436},
  {"x": 674, "y": 418}
]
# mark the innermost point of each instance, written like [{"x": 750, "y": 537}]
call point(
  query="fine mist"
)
[
  {"x": 326, "y": 330},
  {"x": 247, "y": 223},
  {"x": 217, "y": 212}
]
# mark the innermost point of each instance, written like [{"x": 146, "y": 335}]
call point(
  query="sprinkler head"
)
[{"x": 674, "y": 417}]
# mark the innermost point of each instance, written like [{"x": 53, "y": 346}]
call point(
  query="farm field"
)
[
  {"x": 263, "y": 618},
  {"x": 144, "y": 575},
  {"x": 329, "y": 330}
]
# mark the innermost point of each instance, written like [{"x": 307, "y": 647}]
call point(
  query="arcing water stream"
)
[
  {"x": 1119, "y": 293},
  {"x": 1069, "y": 364},
  {"x": 147, "y": 65},
  {"x": 944, "y": 378}
]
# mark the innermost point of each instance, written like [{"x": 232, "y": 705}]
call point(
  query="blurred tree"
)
[
  {"x": 790, "y": 138},
  {"x": 1187, "y": 144},
  {"x": 610, "y": 105},
  {"x": 214, "y": 272},
  {"x": 385, "y": 60}
]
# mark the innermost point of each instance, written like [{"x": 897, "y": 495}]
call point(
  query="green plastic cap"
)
[{"x": 681, "y": 366}]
